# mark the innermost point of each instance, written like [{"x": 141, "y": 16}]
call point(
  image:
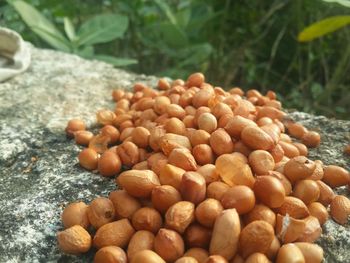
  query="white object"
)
[{"x": 14, "y": 54}]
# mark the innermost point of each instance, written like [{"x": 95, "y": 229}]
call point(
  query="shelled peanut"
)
[{"x": 206, "y": 175}]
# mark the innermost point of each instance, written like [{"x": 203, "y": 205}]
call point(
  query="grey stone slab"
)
[{"x": 39, "y": 173}]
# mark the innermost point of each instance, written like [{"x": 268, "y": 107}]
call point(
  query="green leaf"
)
[
  {"x": 118, "y": 62},
  {"x": 102, "y": 29},
  {"x": 69, "y": 28},
  {"x": 166, "y": 10},
  {"x": 341, "y": 2},
  {"x": 86, "y": 52},
  {"x": 183, "y": 17},
  {"x": 40, "y": 25},
  {"x": 323, "y": 27}
]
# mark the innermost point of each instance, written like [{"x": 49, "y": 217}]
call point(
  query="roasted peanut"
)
[
  {"x": 240, "y": 197},
  {"x": 193, "y": 187},
  {"x": 197, "y": 236},
  {"x": 147, "y": 256},
  {"x": 203, "y": 154},
  {"x": 335, "y": 176},
  {"x": 221, "y": 142},
  {"x": 290, "y": 253},
  {"x": 311, "y": 139},
  {"x": 234, "y": 170},
  {"x": 138, "y": 183},
  {"x": 100, "y": 212},
  {"x": 73, "y": 126},
  {"x": 216, "y": 190},
  {"x": 208, "y": 171},
  {"x": 260, "y": 212},
  {"x": 182, "y": 158},
  {"x": 179, "y": 216},
  {"x": 171, "y": 175},
  {"x": 169, "y": 245},
  {"x": 141, "y": 240},
  {"x": 199, "y": 254},
  {"x": 75, "y": 214},
  {"x": 207, "y": 212},
  {"x": 165, "y": 196},
  {"x": 256, "y": 138},
  {"x": 88, "y": 158},
  {"x": 124, "y": 204},
  {"x": 312, "y": 253},
  {"x": 261, "y": 162},
  {"x": 269, "y": 191},
  {"x": 207, "y": 122},
  {"x": 74, "y": 240},
  {"x": 224, "y": 242},
  {"x": 83, "y": 137},
  {"x": 110, "y": 254},
  {"x": 307, "y": 191},
  {"x": 299, "y": 168},
  {"x": 117, "y": 233},
  {"x": 340, "y": 209},
  {"x": 109, "y": 164},
  {"x": 128, "y": 153},
  {"x": 147, "y": 218},
  {"x": 257, "y": 236},
  {"x": 319, "y": 211},
  {"x": 294, "y": 207}
]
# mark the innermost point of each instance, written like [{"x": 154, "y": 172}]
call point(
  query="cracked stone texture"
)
[{"x": 39, "y": 172}]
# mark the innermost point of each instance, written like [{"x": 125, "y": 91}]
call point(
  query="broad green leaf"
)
[
  {"x": 166, "y": 10},
  {"x": 183, "y": 17},
  {"x": 69, "y": 28},
  {"x": 323, "y": 27},
  {"x": 41, "y": 25},
  {"x": 102, "y": 29},
  {"x": 118, "y": 62},
  {"x": 341, "y": 2},
  {"x": 86, "y": 52}
]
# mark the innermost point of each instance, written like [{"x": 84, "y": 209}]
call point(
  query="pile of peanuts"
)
[{"x": 206, "y": 176}]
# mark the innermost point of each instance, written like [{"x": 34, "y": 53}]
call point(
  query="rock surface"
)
[{"x": 39, "y": 172}]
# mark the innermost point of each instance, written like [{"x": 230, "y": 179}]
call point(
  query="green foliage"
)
[
  {"x": 252, "y": 44},
  {"x": 41, "y": 26},
  {"x": 102, "y": 29},
  {"x": 69, "y": 29},
  {"x": 99, "y": 29}
]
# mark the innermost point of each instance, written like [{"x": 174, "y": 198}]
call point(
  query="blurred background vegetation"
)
[{"x": 251, "y": 44}]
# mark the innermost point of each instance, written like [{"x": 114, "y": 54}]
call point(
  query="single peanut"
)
[
  {"x": 207, "y": 212},
  {"x": 340, "y": 209},
  {"x": 74, "y": 240},
  {"x": 138, "y": 183},
  {"x": 169, "y": 245},
  {"x": 179, "y": 216},
  {"x": 225, "y": 236},
  {"x": 141, "y": 240},
  {"x": 193, "y": 187}
]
